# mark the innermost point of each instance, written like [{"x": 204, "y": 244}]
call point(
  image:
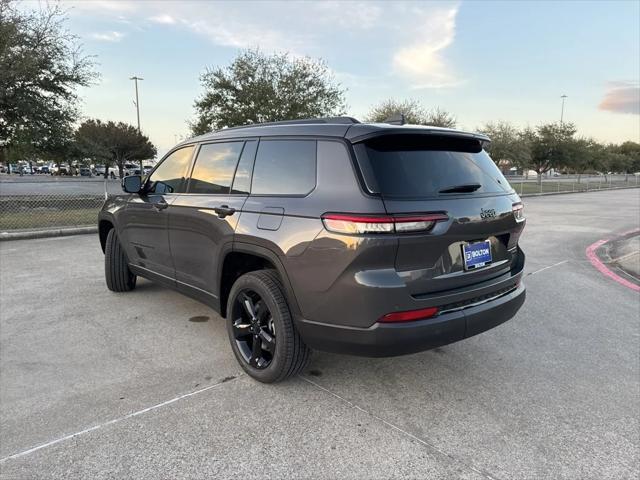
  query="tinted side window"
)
[
  {"x": 213, "y": 172},
  {"x": 285, "y": 167},
  {"x": 170, "y": 174},
  {"x": 242, "y": 181}
]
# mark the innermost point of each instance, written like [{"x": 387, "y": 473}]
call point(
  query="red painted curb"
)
[{"x": 602, "y": 268}]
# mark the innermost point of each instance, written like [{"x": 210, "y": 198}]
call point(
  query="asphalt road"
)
[{"x": 153, "y": 393}]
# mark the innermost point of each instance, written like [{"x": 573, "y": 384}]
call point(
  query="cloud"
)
[
  {"x": 108, "y": 36},
  {"x": 350, "y": 15},
  {"x": 163, "y": 18},
  {"x": 408, "y": 40},
  {"x": 422, "y": 62},
  {"x": 622, "y": 97}
]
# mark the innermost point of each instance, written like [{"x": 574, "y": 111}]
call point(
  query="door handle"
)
[
  {"x": 224, "y": 211},
  {"x": 160, "y": 205}
]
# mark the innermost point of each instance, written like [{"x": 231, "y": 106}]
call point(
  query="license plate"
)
[{"x": 476, "y": 255}]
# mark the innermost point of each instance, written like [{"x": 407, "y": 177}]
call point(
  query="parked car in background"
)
[
  {"x": 85, "y": 172},
  {"x": 115, "y": 173},
  {"x": 60, "y": 170},
  {"x": 130, "y": 168},
  {"x": 147, "y": 169}
]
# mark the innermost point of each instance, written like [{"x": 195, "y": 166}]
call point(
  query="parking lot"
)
[{"x": 95, "y": 384}]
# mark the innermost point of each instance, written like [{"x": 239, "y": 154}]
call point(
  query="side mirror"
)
[{"x": 132, "y": 184}]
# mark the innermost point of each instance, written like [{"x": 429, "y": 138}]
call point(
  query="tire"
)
[
  {"x": 116, "y": 266},
  {"x": 289, "y": 355}
]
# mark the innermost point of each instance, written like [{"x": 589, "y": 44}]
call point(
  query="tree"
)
[
  {"x": 508, "y": 146},
  {"x": 585, "y": 154},
  {"x": 257, "y": 88},
  {"x": 113, "y": 143},
  {"x": 41, "y": 65},
  {"x": 413, "y": 111},
  {"x": 551, "y": 146},
  {"x": 631, "y": 150}
]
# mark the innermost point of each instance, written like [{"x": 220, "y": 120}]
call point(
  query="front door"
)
[{"x": 146, "y": 218}]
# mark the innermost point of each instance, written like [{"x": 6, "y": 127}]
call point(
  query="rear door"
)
[
  {"x": 204, "y": 218},
  {"x": 418, "y": 174}
]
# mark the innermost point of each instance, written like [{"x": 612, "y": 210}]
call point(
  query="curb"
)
[
  {"x": 592, "y": 254},
  {"x": 58, "y": 232}
]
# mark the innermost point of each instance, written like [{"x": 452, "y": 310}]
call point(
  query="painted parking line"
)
[
  {"x": 602, "y": 268},
  {"x": 547, "y": 267},
  {"x": 115, "y": 420}
]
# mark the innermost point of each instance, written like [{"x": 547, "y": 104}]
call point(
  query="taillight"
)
[
  {"x": 518, "y": 212},
  {"x": 410, "y": 316},
  {"x": 359, "y": 224}
]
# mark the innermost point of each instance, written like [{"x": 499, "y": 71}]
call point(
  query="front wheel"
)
[
  {"x": 116, "y": 266},
  {"x": 261, "y": 331}
]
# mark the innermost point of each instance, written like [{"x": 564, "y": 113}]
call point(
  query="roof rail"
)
[{"x": 303, "y": 121}]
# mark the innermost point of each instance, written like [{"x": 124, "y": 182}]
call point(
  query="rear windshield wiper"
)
[{"x": 466, "y": 188}]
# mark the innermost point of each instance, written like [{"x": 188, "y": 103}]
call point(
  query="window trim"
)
[
  {"x": 253, "y": 164},
  {"x": 314, "y": 139}
]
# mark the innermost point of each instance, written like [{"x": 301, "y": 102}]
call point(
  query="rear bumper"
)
[{"x": 385, "y": 340}]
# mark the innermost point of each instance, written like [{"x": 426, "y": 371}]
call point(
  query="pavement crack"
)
[{"x": 395, "y": 427}]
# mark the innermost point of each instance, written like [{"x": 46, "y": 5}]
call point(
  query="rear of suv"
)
[{"x": 328, "y": 234}]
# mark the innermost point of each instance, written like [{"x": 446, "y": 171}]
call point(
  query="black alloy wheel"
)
[
  {"x": 253, "y": 329},
  {"x": 261, "y": 330}
]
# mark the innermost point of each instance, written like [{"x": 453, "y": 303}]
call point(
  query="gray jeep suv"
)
[{"x": 329, "y": 234}]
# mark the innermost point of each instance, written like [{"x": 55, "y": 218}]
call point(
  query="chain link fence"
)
[
  {"x": 572, "y": 183},
  {"x": 35, "y": 211}
]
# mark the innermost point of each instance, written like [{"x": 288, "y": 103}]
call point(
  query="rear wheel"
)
[
  {"x": 116, "y": 266},
  {"x": 261, "y": 331}
]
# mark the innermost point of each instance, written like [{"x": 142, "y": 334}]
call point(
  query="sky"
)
[{"x": 482, "y": 61}]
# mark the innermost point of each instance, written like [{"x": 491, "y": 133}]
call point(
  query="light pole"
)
[
  {"x": 562, "y": 109},
  {"x": 135, "y": 79}
]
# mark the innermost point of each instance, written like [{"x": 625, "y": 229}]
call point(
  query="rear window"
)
[{"x": 427, "y": 166}]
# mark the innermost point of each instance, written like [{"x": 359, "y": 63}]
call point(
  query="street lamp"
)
[
  {"x": 562, "y": 109},
  {"x": 135, "y": 79}
]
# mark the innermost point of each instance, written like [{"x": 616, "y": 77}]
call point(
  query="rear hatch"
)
[{"x": 420, "y": 174}]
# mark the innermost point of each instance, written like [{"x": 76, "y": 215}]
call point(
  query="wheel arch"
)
[
  {"x": 104, "y": 226},
  {"x": 244, "y": 258}
]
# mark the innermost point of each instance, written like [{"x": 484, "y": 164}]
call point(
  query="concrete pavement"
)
[{"x": 553, "y": 393}]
